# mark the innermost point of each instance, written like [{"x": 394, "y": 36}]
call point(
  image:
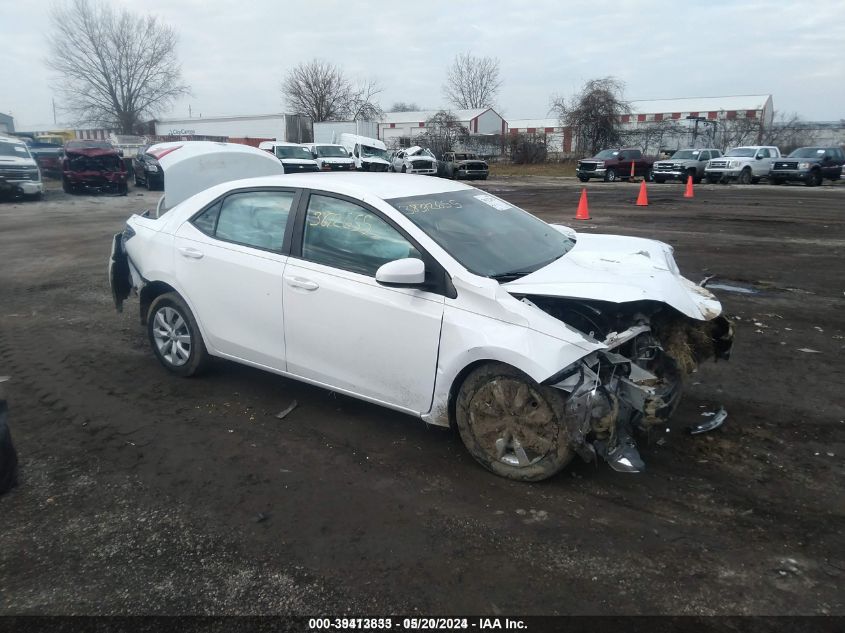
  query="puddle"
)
[{"x": 732, "y": 288}]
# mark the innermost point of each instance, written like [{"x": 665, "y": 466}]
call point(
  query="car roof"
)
[
  {"x": 358, "y": 185},
  {"x": 12, "y": 139}
]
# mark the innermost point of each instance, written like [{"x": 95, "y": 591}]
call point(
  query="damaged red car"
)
[{"x": 93, "y": 166}]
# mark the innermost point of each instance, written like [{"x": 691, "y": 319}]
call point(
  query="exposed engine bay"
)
[{"x": 637, "y": 383}]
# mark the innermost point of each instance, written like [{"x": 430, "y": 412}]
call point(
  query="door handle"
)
[
  {"x": 187, "y": 251},
  {"x": 301, "y": 282}
]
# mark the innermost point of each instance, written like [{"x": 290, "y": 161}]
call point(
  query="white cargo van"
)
[
  {"x": 295, "y": 158},
  {"x": 369, "y": 154},
  {"x": 331, "y": 157}
]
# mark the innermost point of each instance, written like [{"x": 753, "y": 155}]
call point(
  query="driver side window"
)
[{"x": 344, "y": 235}]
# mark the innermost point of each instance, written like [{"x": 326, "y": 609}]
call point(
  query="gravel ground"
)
[{"x": 143, "y": 493}]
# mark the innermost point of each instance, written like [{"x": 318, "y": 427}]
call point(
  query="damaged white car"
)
[
  {"x": 432, "y": 298},
  {"x": 414, "y": 160}
]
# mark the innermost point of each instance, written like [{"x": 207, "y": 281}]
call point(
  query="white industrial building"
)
[
  {"x": 558, "y": 138},
  {"x": 398, "y": 129},
  {"x": 282, "y": 127}
]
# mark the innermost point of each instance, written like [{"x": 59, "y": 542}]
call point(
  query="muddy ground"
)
[{"x": 146, "y": 493}]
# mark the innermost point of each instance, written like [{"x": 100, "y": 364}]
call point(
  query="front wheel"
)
[
  {"x": 712, "y": 180},
  {"x": 659, "y": 179},
  {"x": 814, "y": 179},
  {"x": 744, "y": 177},
  {"x": 610, "y": 175},
  {"x": 175, "y": 336},
  {"x": 512, "y": 425},
  {"x": 584, "y": 178}
]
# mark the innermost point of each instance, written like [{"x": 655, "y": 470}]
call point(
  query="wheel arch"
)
[{"x": 149, "y": 293}]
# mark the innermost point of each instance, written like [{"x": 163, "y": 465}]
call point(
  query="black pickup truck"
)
[{"x": 810, "y": 165}]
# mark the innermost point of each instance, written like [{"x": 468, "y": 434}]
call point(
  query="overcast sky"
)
[{"x": 234, "y": 54}]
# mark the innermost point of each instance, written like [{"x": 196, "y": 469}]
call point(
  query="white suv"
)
[
  {"x": 744, "y": 164},
  {"x": 19, "y": 173}
]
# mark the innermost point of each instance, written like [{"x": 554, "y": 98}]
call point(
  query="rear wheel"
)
[
  {"x": 512, "y": 425},
  {"x": 744, "y": 177},
  {"x": 814, "y": 178},
  {"x": 175, "y": 336}
]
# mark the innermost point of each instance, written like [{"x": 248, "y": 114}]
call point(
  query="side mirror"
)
[
  {"x": 758, "y": 157},
  {"x": 402, "y": 272},
  {"x": 313, "y": 154}
]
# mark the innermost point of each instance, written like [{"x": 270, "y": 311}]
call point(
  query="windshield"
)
[
  {"x": 373, "y": 152},
  {"x": 686, "y": 154},
  {"x": 13, "y": 149},
  {"x": 292, "y": 151},
  {"x": 331, "y": 151},
  {"x": 607, "y": 153},
  {"x": 742, "y": 151},
  {"x": 807, "y": 152},
  {"x": 488, "y": 236}
]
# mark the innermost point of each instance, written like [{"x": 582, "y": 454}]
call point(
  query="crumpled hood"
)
[
  {"x": 619, "y": 269},
  {"x": 92, "y": 152}
]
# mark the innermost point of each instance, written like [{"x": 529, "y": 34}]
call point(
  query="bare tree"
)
[
  {"x": 317, "y": 89},
  {"x": 594, "y": 114},
  {"x": 322, "y": 91},
  {"x": 472, "y": 82},
  {"x": 114, "y": 67},
  {"x": 650, "y": 137},
  {"x": 361, "y": 105},
  {"x": 402, "y": 106},
  {"x": 443, "y": 132}
]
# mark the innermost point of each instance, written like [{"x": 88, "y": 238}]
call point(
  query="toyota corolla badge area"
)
[{"x": 432, "y": 298}]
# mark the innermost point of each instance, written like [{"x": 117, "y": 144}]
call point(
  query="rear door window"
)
[{"x": 252, "y": 218}]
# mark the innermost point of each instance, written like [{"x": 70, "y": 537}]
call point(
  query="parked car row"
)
[{"x": 744, "y": 165}]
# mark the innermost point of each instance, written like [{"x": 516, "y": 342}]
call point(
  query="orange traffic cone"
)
[
  {"x": 642, "y": 199},
  {"x": 583, "y": 212},
  {"x": 689, "y": 192}
]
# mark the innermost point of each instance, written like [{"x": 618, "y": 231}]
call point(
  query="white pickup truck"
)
[{"x": 744, "y": 164}]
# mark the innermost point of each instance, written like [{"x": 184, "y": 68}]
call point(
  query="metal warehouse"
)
[{"x": 399, "y": 128}]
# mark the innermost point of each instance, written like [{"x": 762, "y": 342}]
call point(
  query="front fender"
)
[{"x": 468, "y": 337}]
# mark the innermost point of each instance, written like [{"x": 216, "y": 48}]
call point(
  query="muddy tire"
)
[
  {"x": 175, "y": 336},
  {"x": 512, "y": 425}
]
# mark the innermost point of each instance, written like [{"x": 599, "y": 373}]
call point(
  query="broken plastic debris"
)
[
  {"x": 807, "y": 350},
  {"x": 717, "y": 418},
  {"x": 283, "y": 414}
]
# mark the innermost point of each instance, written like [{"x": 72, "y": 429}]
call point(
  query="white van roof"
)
[{"x": 354, "y": 139}]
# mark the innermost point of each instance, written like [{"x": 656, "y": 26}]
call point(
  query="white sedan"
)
[{"x": 432, "y": 298}]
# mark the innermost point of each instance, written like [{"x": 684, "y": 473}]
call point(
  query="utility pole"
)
[{"x": 54, "y": 111}]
